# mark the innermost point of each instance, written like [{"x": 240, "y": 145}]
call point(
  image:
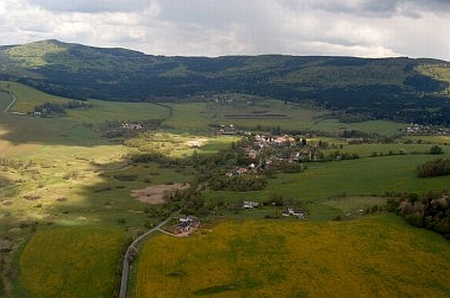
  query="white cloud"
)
[
  {"x": 374, "y": 28},
  {"x": 90, "y": 6}
]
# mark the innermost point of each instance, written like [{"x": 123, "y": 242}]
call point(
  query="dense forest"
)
[{"x": 414, "y": 90}]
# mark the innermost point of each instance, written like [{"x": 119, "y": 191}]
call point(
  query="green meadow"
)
[{"x": 66, "y": 204}]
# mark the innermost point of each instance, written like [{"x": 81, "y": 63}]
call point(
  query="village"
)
[{"x": 280, "y": 152}]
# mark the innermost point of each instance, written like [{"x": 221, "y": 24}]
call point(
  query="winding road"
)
[{"x": 129, "y": 256}]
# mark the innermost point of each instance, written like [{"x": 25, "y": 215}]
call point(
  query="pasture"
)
[
  {"x": 369, "y": 176},
  {"x": 249, "y": 112},
  {"x": 374, "y": 256}
]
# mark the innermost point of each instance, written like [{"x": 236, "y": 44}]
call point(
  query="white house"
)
[
  {"x": 298, "y": 213},
  {"x": 250, "y": 205}
]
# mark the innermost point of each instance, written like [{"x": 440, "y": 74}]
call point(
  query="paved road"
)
[{"x": 129, "y": 256}]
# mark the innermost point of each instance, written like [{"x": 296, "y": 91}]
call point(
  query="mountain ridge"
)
[{"x": 394, "y": 87}]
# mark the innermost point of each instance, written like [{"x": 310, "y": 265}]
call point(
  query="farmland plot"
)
[
  {"x": 71, "y": 262},
  {"x": 376, "y": 256}
]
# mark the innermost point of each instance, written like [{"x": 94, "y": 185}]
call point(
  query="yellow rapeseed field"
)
[{"x": 376, "y": 256}]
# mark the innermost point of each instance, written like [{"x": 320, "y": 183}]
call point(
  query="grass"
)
[
  {"x": 263, "y": 113},
  {"x": 179, "y": 145},
  {"x": 106, "y": 111},
  {"x": 357, "y": 177},
  {"x": 79, "y": 261},
  {"x": 187, "y": 118},
  {"x": 376, "y": 256},
  {"x": 353, "y": 205},
  {"x": 334, "y": 126},
  {"x": 365, "y": 150}
]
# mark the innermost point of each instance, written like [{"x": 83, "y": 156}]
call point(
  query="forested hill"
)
[{"x": 397, "y": 88}]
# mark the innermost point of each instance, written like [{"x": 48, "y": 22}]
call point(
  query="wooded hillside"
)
[{"x": 415, "y": 90}]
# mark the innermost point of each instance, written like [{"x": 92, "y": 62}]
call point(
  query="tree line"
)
[{"x": 50, "y": 108}]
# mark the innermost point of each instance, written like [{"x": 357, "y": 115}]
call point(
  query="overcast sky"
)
[{"x": 365, "y": 28}]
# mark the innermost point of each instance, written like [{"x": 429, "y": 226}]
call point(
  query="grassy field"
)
[
  {"x": 69, "y": 262},
  {"x": 370, "y": 176},
  {"x": 381, "y": 127},
  {"x": 28, "y": 98},
  {"x": 262, "y": 258},
  {"x": 263, "y": 113}
]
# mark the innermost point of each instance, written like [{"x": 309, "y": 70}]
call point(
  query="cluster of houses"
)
[
  {"x": 222, "y": 100},
  {"x": 187, "y": 224},
  {"x": 414, "y": 129},
  {"x": 298, "y": 151},
  {"x": 131, "y": 126},
  {"x": 226, "y": 129},
  {"x": 287, "y": 150},
  {"x": 264, "y": 141},
  {"x": 252, "y": 168},
  {"x": 418, "y": 129}
]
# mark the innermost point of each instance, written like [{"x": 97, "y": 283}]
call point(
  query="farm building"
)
[
  {"x": 187, "y": 224},
  {"x": 250, "y": 205},
  {"x": 292, "y": 212}
]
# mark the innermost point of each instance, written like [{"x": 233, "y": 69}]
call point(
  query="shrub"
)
[
  {"x": 125, "y": 177},
  {"x": 436, "y": 150},
  {"x": 434, "y": 168},
  {"x": 392, "y": 205},
  {"x": 415, "y": 219},
  {"x": 71, "y": 175}
]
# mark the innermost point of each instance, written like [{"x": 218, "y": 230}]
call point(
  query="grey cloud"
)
[
  {"x": 38, "y": 28},
  {"x": 212, "y": 12},
  {"x": 250, "y": 23},
  {"x": 383, "y": 8}
]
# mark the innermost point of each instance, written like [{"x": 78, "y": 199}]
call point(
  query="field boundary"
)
[{"x": 13, "y": 101}]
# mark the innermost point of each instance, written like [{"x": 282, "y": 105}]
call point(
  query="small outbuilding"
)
[
  {"x": 250, "y": 205},
  {"x": 292, "y": 212}
]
